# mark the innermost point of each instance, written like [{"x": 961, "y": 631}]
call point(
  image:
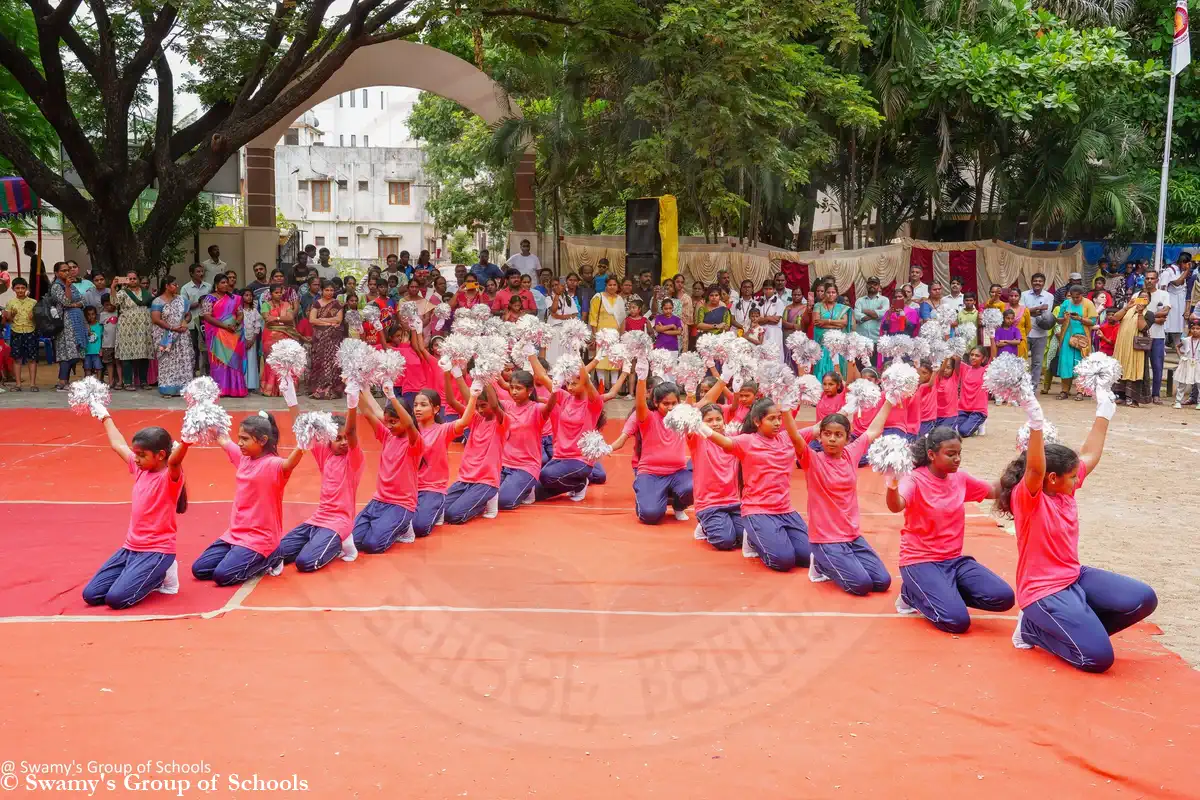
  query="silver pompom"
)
[
  {"x": 357, "y": 360},
  {"x": 574, "y": 334},
  {"x": 776, "y": 381},
  {"x": 467, "y": 325},
  {"x": 389, "y": 366},
  {"x": 991, "y": 318},
  {"x": 689, "y": 371},
  {"x": 201, "y": 390},
  {"x": 1007, "y": 378},
  {"x": 89, "y": 396},
  {"x": 1049, "y": 435},
  {"x": 593, "y": 447},
  {"x": 205, "y": 423},
  {"x": 810, "y": 390},
  {"x": 370, "y": 313},
  {"x": 683, "y": 419},
  {"x": 898, "y": 382},
  {"x": 966, "y": 331},
  {"x": 860, "y": 348},
  {"x": 1097, "y": 373},
  {"x": 933, "y": 330},
  {"x": 410, "y": 314},
  {"x": 565, "y": 369},
  {"x": 662, "y": 363},
  {"x": 946, "y": 315},
  {"x": 441, "y": 311},
  {"x": 836, "y": 343},
  {"x": 896, "y": 346},
  {"x": 608, "y": 346},
  {"x": 863, "y": 395},
  {"x": 457, "y": 351},
  {"x": 314, "y": 426},
  {"x": 956, "y": 347},
  {"x": 533, "y": 331},
  {"x": 288, "y": 358},
  {"x": 804, "y": 350},
  {"x": 480, "y": 312},
  {"x": 637, "y": 345},
  {"x": 890, "y": 456},
  {"x": 489, "y": 364}
]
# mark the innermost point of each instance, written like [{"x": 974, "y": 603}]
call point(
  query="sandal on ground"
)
[
  {"x": 1064, "y": 396},
  {"x": 1078, "y": 398},
  {"x": 34, "y": 389}
]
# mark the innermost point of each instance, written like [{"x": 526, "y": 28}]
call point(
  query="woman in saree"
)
[
  {"x": 713, "y": 316},
  {"x": 221, "y": 313},
  {"x": 278, "y": 324},
  {"x": 1133, "y": 362},
  {"x": 169, "y": 314},
  {"x": 326, "y": 317},
  {"x": 829, "y": 315},
  {"x": 135, "y": 332}
]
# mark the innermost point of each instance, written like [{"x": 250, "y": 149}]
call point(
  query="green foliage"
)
[
  {"x": 18, "y": 25},
  {"x": 199, "y": 215},
  {"x": 462, "y": 248},
  {"x": 230, "y": 215}
]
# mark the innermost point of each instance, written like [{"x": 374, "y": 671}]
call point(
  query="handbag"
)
[
  {"x": 1081, "y": 343},
  {"x": 1142, "y": 343}
]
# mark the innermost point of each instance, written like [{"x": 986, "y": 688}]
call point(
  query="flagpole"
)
[{"x": 1162, "y": 186}]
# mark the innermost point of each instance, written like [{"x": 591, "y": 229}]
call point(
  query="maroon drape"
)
[{"x": 962, "y": 266}]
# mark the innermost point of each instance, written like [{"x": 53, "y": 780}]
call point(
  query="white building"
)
[{"x": 348, "y": 175}]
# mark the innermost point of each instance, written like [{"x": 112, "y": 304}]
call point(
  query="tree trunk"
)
[
  {"x": 477, "y": 35},
  {"x": 977, "y": 200},
  {"x": 807, "y": 217},
  {"x": 557, "y": 228}
]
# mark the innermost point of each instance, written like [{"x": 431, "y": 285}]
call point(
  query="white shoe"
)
[
  {"x": 748, "y": 550},
  {"x": 982, "y": 430},
  {"x": 1017, "y": 640},
  {"x": 441, "y": 520},
  {"x": 170, "y": 584},
  {"x": 699, "y": 532},
  {"x": 1198, "y": 406},
  {"x": 493, "y": 507},
  {"x": 903, "y": 608},
  {"x": 408, "y": 537},
  {"x": 578, "y": 496},
  {"x": 349, "y": 549},
  {"x": 681, "y": 516},
  {"x": 814, "y": 572},
  {"x": 276, "y": 569},
  {"x": 530, "y": 498},
  {"x": 1179, "y": 405}
]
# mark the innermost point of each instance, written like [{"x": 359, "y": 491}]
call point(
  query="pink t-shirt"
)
[
  {"x": 256, "y": 519},
  {"x": 573, "y": 417},
  {"x": 523, "y": 449},
  {"x": 629, "y": 429},
  {"x": 833, "y": 492},
  {"x": 830, "y": 404},
  {"x": 898, "y": 416},
  {"x": 416, "y": 376},
  {"x": 973, "y": 397},
  {"x": 914, "y": 412},
  {"x": 863, "y": 419},
  {"x": 934, "y": 517},
  {"x": 397, "y": 480},
  {"x": 927, "y": 400},
  {"x": 734, "y": 413},
  {"x": 1047, "y": 541},
  {"x": 433, "y": 474},
  {"x": 714, "y": 474},
  {"x": 481, "y": 457},
  {"x": 664, "y": 452},
  {"x": 766, "y": 472},
  {"x": 152, "y": 510},
  {"x": 339, "y": 482},
  {"x": 946, "y": 391}
]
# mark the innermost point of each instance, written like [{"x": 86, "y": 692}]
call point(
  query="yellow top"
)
[{"x": 22, "y": 314}]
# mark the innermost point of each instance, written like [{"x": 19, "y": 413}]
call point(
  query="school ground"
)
[{"x": 566, "y": 651}]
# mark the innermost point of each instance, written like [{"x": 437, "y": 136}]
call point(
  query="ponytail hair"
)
[
  {"x": 758, "y": 411},
  {"x": 262, "y": 427},
  {"x": 1059, "y": 461},
  {"x": 157, "y": 440},
  {"x": 930, "y": 442}
]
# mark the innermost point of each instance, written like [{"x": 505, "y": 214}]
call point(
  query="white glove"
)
[
  {"x": 389, "y": 391},
  {"x": 416, "y": 326},
  {"x": 643, "y": 370},
  {"x": 288, "y": 387},
  {"x": 99, "y": 412},
  {"x": 1033, "y": 410},
  {"x": 850, "y": 408},
  {"x": 528, "y": 351},
  {"x": 352, "y": 396},
  {"x": 1106, "y": 404},
  {"x": 476, "y": 388},
  {"x": 456, "y": 372},
  {"x": 709, "y": 363},
  {"x": 726, "y": 372},
  {"x": 705, "y": 431}
]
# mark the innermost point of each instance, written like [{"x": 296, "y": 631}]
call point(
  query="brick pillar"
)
[
  {"x": 260, "y": 187},
  {"x": 524, "y": 218}
]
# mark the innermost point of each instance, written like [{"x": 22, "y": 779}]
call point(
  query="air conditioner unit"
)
[{"x": 360, "y": 230}]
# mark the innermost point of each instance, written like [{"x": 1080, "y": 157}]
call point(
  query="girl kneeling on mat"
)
[
  {"x": 389, "y": 515},
  {"x": 521, "y": 460},
  {"x": 251, "y": 545},
  {"x": 1066, "y": 609},
  {"x": 578, "y": 411},
  {"x": 839, "y": 551},
  {"x": 939, "y": 582},
  {"x": 476, "y": 492},
  {"x": 326, "y": 534},
  {"x": 973, "y": 398},
  {"x": 663, "y": 476},
  {"x": 715, "y": 485},
  {"x": 146, "y": 561},
  {"x": 767, "y": 447},
  {"x": 433, "y": 475}
]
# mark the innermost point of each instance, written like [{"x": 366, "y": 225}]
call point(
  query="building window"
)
[
  {"x": 341, "y": 140},
  {"x": 381, "y": 102},
  {"x": 352, "y": 140},
  {"x": 352, "y": 99},
  {"x": 301, "y": 186},
  {"x": 318, "y": 143},
  {"x": 366, "y": 140},
  {"x": 292, "y": 136},
  {"x": 364, "y": 98},
  {"x": 388, "y": 246},
  {"x": 341, "y": 100},
  {"x": 342, "y": 184},
  {"x": 343, "y": 241},
  {"x": 398, "y": 193},
  {"x": 320, "y": 195},
  {"x": 363, "y": 186},
  {"x": 319, "y": 241}
]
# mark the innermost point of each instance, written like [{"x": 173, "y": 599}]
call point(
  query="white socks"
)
[
  {"x": 748, "y": 550},
  {"x": 699, "y": 532},
  {"x": 276, "y": 569},
  {"x": 349, "y": 549},
  {"x": 681, "y": 515},
  {"x": 903, "y": 608},
  {"x": 577, "y": 496},
  {"x": 982, "y": 430},
  {"x": 170, "y": 584},
  {"x": 409, "y": 536},
  {"x": 529, "y": 497},
  {"x": 814, "y": 572},
  {"x": 493, "y": 507},
  {"x": 441, "y": 520},
  {"x": 1018, "y": 640}
]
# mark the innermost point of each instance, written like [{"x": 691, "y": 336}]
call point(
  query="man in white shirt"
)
[
  {"x": 194, "y": 292},
  {"x": 1037, "y": 301},
  {"x": 326, "y": 270},
  {"x": 955, "y": 299},
  {"x": 1174, "y": 280},
  {"x": 920, "y": 289},
  {"x": 525, "y": 262},
  {"x": 781, "y": 289},
  {"x": 772, "y": 307},
  {"x": 742, "y": 305},
  {"x": 1160, "y": 307},
  {"x": 214, "y": 266},
  {"x": 725, "y": 284}
]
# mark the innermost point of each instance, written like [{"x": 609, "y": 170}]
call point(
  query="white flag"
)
[{"x": 1181, "y": 50}]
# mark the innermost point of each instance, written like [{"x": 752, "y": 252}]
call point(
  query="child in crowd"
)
[
  {"x": 108, "y": 344},
  {"x": 1067, "y": 609},
  {"x": 326, "y": 534},
  {"x": 145, "y": 562},
  {"x": 515, "y": 309},
  {"x": 250, "y": 546},
  {"x": 19, "y": 315},
  {"x": 667, "y": 327},
  {"x": 970, "y": 316},
  {"x": 754, "y": 328},
  {"x": 389, "y": 514},
  {"x": 634, "y": 320},
  {"x": 946, "y": 386},
  {"x": 715, "y": 485},
  {"x": 972, "y": 399},
  {"x": 938, "y": 581},
  {"x": 1106, "y": 334},
  {"x": 1187, "y": 374},
  {"x": 1008, "y": 335},
  {"x": 95, "y": 338},
  {"x": 353, "y": 316}
]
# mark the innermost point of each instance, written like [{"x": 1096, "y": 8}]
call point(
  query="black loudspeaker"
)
[
  {"x": 637, "y": 263},
  {"x": 641, "y": 227}
]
